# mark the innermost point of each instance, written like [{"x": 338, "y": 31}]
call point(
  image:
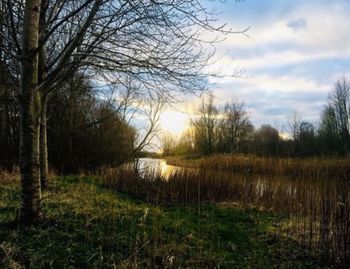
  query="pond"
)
[
  {"x": 155, "y": 166},
  {"x": 261, "y": 185}
]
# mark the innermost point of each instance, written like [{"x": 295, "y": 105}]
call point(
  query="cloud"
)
[
  {"x": 297, "y": 25},
  {"x": 292, "y": 57},
  {"x": 295, "y": 51}
]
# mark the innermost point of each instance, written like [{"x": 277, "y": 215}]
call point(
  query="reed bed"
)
[
  {"x": 314, "y": 206},
  {"x": 9, "y": 176},
  {"x": 89, "y": 226},
  {"x": 294, "y": 167}
]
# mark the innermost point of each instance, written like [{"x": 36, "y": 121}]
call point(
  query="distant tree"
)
[
  {"x": 267, "y": 140},
  {"x": 9, "y": 118},
  {"x": 294, "y": 121},
  {"x": 9, "y": 110},
  {"x": 303, "y": 135},
  {"x": 217, "y": 129},
  {"x": 186, "y": 143},
  {"x": 329, "y": 138},
  {"x": 339, "y": 102},
  {"x": 306, "y": 139},
  {"x": 205, "y": 126},
  {"x": 234, "y": 127},
  {"x": 168, "y": 144},
  {"x": 85, "y": 132}
]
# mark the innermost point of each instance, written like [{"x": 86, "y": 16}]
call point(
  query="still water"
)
[
  {"x": 260, "y": 183},
  {"x": 155, "y": 166}
]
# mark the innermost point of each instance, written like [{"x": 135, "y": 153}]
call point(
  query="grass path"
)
[{"x": 88, "y": 226}]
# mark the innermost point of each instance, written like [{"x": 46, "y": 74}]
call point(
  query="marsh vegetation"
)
[
  {"x": 311, "y": 197},
  {"x": 122, "y": 221}
]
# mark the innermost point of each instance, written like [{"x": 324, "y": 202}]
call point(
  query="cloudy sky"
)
[{"x": 295, "y": 51}]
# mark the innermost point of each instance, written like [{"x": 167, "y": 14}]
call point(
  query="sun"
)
[{"x": 174, "y": 122}]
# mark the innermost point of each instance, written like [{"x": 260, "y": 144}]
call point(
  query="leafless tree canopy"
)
[
  {"x": 163, "y": 47},
  {"x": 161, "y": 44}
]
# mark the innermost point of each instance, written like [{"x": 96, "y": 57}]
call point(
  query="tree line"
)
[
  {"x": 83, "y": 132},
  {"x": 228, "y": 129}
]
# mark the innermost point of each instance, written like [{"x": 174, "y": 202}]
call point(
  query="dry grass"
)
[
  {"x": 314, "y": 199},
  {"x": 14, "y": 176},
  {"x": 313, "y": 167},
  {"x": 89, "y": 226},
  {"x": 9, "y": 177}
]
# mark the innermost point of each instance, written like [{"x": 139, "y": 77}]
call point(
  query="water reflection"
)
[
  {"x": 260, "y": 184},
  {"x": 146, "y": 166}
]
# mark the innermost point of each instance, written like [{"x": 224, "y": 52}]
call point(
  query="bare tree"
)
[
  {"x": 9, "y": 129},
  {"x": 267, "y": 140},
  {"x": 152, "y": 109},
  {"x": 158, "y": 43},
  {"x": 328, "y": 132},
  {"x": 234, "y": 126},
  {"x": 29, "y": 102},
  {"x": 294, "y": 120},
  {"x": 204, "y": 125},
  {"x": 168, "y": 144},
  {"x": 339, "y": 102}
]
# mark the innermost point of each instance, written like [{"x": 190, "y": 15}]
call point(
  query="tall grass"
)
[
  {"x": 89, "y": 226},
  {"x": 312, "y": 167},
  {"x": 8, "y": 177},
  {"x": 313, "y": 199}
]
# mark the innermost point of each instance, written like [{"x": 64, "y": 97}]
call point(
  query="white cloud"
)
[
  {"x": 311, "y": 32},
  {"x": 297, "y": 25},
  {"x": 308, "y": 34},
  {"x": 324, "y": 34}
]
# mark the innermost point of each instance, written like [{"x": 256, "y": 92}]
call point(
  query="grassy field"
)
[{"x": 90, "y": 226}]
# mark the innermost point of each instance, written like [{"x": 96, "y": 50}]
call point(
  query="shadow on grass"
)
[{"x": 88, "y": 226}]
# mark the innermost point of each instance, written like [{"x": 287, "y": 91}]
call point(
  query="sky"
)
[{"x": 294, "y": 52}]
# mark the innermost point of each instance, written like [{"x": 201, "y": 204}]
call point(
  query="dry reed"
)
[{"x": 315, "y": 206}]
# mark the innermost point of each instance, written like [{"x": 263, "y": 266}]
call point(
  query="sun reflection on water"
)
[
  {"x": 164, "y": 169},
  {"x": 156, "y": 167}
]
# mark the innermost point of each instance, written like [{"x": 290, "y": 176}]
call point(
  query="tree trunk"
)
[
  {"x": 42, "y": 74},
  {"x": 29, "y": 103},
  {"x": 43, "y": 142}
]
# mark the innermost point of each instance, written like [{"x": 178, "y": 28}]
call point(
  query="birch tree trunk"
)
[
  {"x": 42, "y": 74},
  {"x": 43, "y": 142},
  {"x": 29, "y": 103}
]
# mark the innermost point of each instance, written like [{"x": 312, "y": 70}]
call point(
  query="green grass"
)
[{"x": 87, "y": 226}]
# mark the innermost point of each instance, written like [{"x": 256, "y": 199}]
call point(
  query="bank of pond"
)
[
  {"x": 312, "y": 195},
  {"x": 150, "y": 214}
]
